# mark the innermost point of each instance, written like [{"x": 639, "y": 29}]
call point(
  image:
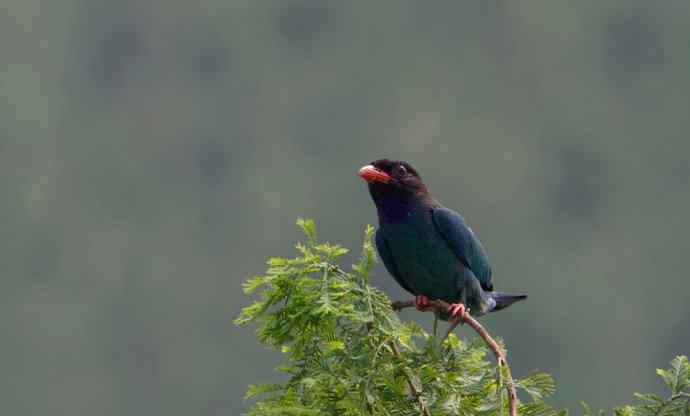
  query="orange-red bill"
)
[{"x": 370, "y": 174}]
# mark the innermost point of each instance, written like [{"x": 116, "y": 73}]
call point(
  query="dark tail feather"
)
[{"x": 503, "y": 300}]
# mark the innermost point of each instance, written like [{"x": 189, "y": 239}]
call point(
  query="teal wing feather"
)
[
  {"x": 464, "y": 244},
  {"x": 388, "y": 261}
]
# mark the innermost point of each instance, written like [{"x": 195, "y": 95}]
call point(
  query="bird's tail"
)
[{"x": 503, "y": 300}]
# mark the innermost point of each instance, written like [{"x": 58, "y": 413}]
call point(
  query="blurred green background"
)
[{"x": 154, "y": 153}]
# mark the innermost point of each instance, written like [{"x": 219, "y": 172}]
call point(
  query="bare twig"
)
[
  {"x": 413, "y": 388},
  {"x": 399, "y": 305},
  {"x": 441, "y": 306}
]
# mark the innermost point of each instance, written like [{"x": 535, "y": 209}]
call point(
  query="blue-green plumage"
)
[{"x": 427, "y": 248}]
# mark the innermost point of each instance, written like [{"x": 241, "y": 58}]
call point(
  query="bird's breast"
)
[{"x": 423, "y": 259}]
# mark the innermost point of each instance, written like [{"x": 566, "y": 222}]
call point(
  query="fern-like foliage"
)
[
  {"x": 348, "y": 354},
  {"x": 676, "y": 403}
]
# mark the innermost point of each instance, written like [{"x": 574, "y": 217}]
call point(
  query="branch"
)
[
  {"x": 678, "y": 396},
  {"x": 416, "y": 393},
  {"x": 441, "y": 306}
]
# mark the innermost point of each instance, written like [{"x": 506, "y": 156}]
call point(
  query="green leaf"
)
[
  {"x": 587, "y": 410},
  {"x": 254, "y": 283},
  {"x": 677, "y": 378},
  {"x": 368, "y": 259},
  {"x": 253, "y": 390},
  {"x": 277, "y": 262},
  {"x": 538, "y": 409},
  {"x": 308, "y": 228},
  {"x": 539, "y": 386},
  {"x": 334, "y": 346},
  {"x": 649, "y": 398}
]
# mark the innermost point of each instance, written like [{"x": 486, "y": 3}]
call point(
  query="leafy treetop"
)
[{"x": 348, "y": 354}]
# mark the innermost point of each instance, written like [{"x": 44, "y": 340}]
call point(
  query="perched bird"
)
[{"x": 428, "y": 248}]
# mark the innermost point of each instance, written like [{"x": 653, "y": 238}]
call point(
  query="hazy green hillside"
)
[{"x": 153, "y": 154}]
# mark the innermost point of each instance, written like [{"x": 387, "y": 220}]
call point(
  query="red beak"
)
[{"x": 370, "y": 174}]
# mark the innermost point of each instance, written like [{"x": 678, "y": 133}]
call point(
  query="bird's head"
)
[{"x": 393, "y": 182}]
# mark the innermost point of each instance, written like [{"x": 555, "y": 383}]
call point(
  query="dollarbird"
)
[{"x": 429, "y": 249}]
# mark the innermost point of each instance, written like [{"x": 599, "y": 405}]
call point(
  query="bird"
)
[{"x": 429, "y": 249}]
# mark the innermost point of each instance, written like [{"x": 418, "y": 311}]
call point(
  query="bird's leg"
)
[
  {"x": 421, "y": 302},
  {"x": 457, "y": 312}
]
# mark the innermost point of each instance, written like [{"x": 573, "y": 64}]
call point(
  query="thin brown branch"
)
[
  {"x": 415, "y": 392},
  {"x": 441, "y": 306}
]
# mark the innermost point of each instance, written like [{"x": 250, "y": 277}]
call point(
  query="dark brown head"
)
[{"x": 394, "y": 186}]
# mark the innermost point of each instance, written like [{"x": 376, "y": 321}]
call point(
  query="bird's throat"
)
[{"x": 394, "y": 211}]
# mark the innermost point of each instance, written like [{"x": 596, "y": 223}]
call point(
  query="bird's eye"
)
[{"x": 402, "y": 171}]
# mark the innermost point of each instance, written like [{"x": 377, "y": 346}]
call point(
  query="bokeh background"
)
[{"x": 154, "y": 153}]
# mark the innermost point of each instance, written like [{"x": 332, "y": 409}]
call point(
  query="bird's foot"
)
[
  {"x": 457, "y": 311},
  {"x": 421, "y": 302}
]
